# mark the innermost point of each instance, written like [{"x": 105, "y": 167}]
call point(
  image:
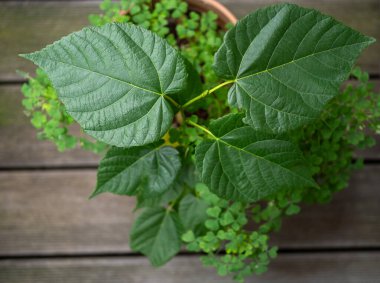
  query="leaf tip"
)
[
  {"x": 95, "y": 193},
  {"x": 30, "y": 56},
  {"x": 26, "y": 55},
  {"x": 371, "y": 40},
  {"x": 22, "y": 74}
]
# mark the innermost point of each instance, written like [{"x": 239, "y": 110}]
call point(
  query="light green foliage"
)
[
  {"x": 247, "y": 251},
  {"x": 250, "y": 176},
  {"x": 346, "y": 124},
  {"x": 49, "y": 116},
  {"x": 284, "y": 64}
]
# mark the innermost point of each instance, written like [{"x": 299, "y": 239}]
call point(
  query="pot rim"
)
[{"x": 225, "y": 15}]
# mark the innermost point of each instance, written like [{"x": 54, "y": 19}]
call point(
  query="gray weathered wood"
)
[
  {"x": 29, "y": 26},
  {"x": 337, "y": 224},
  {"x": 47, "y": 213},
  {"x": 358, "y": 267}
]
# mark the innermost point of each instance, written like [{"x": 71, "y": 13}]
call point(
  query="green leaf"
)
[
  {"x": 243, "y": 164},
  {"x": 188, "y": 237},
  {"x": 118, "y": 81},
  {"x": 286, "y": 62},
  {"x": 227, "y": 219},
  {"x": 214, "y": 211},
  {"x": 192, "y": 212},
  {"x": 184, "y": 179},
  {"x": 292, "y": 209},
  {"x": 212, "y": 224},
  {"x": 174, "y": 191},
  {"x": 151, "y": 168},
  {"x": 156, "y": 234},
  {"x": 273, "y": 252},
  {"x": 38, "y": 120}
]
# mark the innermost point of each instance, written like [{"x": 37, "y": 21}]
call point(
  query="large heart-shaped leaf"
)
[
  {"x": 118, "y": 81},
  {"x": 150, "y": 168},
  {"x": 243, "y": 164},
  {"x": 156, "y": 234},
  {"x": 286, "y": 62}
]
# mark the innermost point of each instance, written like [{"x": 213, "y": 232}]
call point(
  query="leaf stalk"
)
[
  {"x": 206, "y": 92},
  {"x": 172, "y": 101},
  {"x": 207, "y": 131}
]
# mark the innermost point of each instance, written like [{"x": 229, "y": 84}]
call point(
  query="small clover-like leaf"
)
[
  {"x": 120, "y": 82},
  {"x": 188, "y": 237},
  {"x": 243, "y": 164},
  {"x": 292, "y": 209},
  {"x": 214, "y": 211},
  {"x": 286, "y": 62},
  {"x": 212, "y": 224},
  {"x": 226, "y": 219}
]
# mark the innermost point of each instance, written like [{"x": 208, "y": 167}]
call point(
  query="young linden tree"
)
[{"x": 124, "y": 85}]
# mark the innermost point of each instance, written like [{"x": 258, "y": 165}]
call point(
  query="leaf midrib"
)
[
  {"x": 293, "y": 61},
  {"x": 236, "y": 188},
  {"x": 262, "y": 158},
  {"x": 271, "y": 107},
  {"x": 123, "y": 126},
  {"x": 155, "y": 213},
  {"x": 142, "y": 50},
  {"x": 166, "y": 215},
  {"x": 132, "y": 164},
  {"x": 110, "y": 77}
]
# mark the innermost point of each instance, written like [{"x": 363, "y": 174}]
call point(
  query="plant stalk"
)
[
  {"x": 206, "y": 92},
  {"x": 173, "y": 101},
  {"x": 202, "y": 129}
]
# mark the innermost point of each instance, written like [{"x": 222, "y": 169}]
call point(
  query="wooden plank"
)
[
  {"x": 360, "y": 267},
  {"x": 28, "y": 26},
  {"x": 337, "y": 224},
  {"x": 48, "y": 213}
]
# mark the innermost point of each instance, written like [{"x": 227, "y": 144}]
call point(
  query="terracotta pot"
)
[{"x": 225, "y": 15}]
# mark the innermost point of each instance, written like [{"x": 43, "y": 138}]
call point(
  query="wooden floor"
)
[{"x": 51, "y": 233}]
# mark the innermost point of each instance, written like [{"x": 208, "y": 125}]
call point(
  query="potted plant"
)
[{"x": 284, "y": 134}]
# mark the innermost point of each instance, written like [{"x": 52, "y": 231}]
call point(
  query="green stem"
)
[
  {"x": 205, "y": 93},
  {"x": 177, "y": 200},
  {"x": 201, "y": 128},
  {"x": 173, "y": 101}
]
